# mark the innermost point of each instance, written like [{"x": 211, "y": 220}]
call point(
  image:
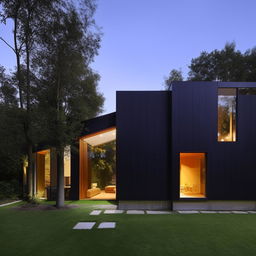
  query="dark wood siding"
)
[
  {"x": 74, "y": 193},
  {"x": 231, "y": 166},
  {"x": 143, "y": 145}
]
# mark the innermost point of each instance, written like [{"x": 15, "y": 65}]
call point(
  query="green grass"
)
[{"x": 50, "y": 233}]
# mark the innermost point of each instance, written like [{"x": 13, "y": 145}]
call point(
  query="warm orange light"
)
[{"x": 192, "y": 175}]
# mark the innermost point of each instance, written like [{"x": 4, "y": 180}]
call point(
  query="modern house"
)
[{"x": 190, "y": 148}]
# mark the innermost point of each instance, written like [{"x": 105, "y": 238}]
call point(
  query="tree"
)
[
  {"x": 67, "y": 87},
  {"x": 227, "y": 64},
  {"x": 27, "y": 16},
  {"x": 174, "y": 75},
  {"x": 12, "y": 142}
]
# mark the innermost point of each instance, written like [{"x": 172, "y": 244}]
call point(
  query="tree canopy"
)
[
  {"x": 227, "y": 64},
  {"x": 52, "y": 88}
]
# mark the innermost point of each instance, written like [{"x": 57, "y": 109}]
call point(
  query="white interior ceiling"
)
[{"x": 101, "y": 138}]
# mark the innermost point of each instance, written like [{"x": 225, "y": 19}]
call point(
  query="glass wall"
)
[
  {"x": 192, "y": 175},
  {"x": 98, "y": 165},
  {"x": 102, "y": 165},
  {"x": 226, "y": 114}
]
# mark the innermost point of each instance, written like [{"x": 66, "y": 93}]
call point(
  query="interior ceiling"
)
[
  {"x": 101, "y": 138},
  {"x": 199, "y": 155}
]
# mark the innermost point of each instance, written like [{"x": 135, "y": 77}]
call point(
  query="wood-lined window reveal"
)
[
  {"x": 97, "y": 179},
  {"x": 43, "y": 173},
  {"x": 227, "y": 114},
  {"x": 192, "y": 175}
]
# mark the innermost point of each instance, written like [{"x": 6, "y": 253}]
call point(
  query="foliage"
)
[
  {"x": 227, "y": 64},
  {"x": 103, "y": 163},
  {"x": 174, "y": 75},
  {"x": 53, "y": 87}
]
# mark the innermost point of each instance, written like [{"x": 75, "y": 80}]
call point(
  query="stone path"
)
[
  {"x": 135, "y": 212},
  {"x": 113, "y": 211},
  {"x": 90, "y": 225},
  {"x": 158, "y": 212},
  {"x": 112, "y": 225},
  {"x": 84, "y": 225},
  {"x": 107, "y": 225},
  {"x": 141, "y": 212},
  {"x": 95, "y": 212}
]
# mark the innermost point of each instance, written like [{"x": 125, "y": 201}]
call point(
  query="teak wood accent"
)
[
  {"x": 83, "y": 169},
  {"x": 84, "y": 175},
  {"x": 97, "y": 133},
  {"x": 40, "y": 177}
]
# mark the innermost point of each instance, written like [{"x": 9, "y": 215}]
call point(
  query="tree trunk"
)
[
  {"x": 17, "y": 53},
  {"x": 60, "y": 197},
  {"x": 30, "y": 172},
  {"x": 28, "y": 117}
]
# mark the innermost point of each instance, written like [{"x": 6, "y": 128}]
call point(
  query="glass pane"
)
[
  {"x": 192, "y": 175},
  {"x": 227, "y": 114}
]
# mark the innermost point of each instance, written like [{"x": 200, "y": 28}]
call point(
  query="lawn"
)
[{"x": 34, "y": 232}]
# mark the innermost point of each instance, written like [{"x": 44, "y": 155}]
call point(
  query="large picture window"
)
[
  {"x": 226, "y": 114},
  {"x": 192, "y": 175}
]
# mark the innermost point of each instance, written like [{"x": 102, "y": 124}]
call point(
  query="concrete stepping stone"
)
[
  {"x": 239, "y": 212},
  {"x": 253, "y": 212},
  {"x": 225, "y": 212},
  {"x": 135, "y": 212},
  {"x": 113, "y": 211},
  {"x": 107, "y": 225},
  {"x": 84, "y": 225},
  {"x": 95, "y": 212},
  {"x": 188, "y": 212},
  {"x": 208, "y": 212},
  {"x": 158, "y": 212}
]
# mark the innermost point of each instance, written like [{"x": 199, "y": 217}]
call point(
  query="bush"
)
[{"x": 9, "y": 189}]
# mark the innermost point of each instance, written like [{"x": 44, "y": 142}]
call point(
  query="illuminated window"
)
[
  {"x": 226, "y": 114},
  {"x": 192, "y": 175}
]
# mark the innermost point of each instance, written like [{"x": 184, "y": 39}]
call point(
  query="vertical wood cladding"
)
[
  {"x": 143, "y": 145},
  {"x": 74, "y": 194},
  {"x": 231, "y": 166}
]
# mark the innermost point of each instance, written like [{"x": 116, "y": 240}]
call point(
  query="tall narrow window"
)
[
  {"x": 226, "y": 114},
  {"x": 192, "y": 175}
]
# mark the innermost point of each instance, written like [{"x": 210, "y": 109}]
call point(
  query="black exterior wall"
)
[
  {"x": 74, "y": 192},
  {"x": 231, "y": 166},
  {"x": 153, "y": 127},
  {"x": 143, "y": 145},
  {"x": 99, "y": 123}
]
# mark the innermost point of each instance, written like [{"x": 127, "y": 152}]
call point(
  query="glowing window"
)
[
  {"x": 192, "y": 175},
  {"x": 226, "y": 114}
]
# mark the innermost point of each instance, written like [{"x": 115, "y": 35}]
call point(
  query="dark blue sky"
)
[{"x": 144, "y": 39}]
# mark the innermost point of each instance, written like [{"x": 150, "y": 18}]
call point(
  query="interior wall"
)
[
  {"x": 67, "y": 166},
  {"x": 40, "y": 174},
  {"x": 192, "y": 177}
]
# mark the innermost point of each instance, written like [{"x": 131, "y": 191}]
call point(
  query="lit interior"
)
[
  {"x": 46, "y": 172},
  {"x": 43, "y": 176},
  {"x": 100, "y": 165},
  {"x": 101, "y": 138},
  {"x": 226, "y": 114},
  {"x": 67, "y": 167},
  {"x": 192, "y": 175}
]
